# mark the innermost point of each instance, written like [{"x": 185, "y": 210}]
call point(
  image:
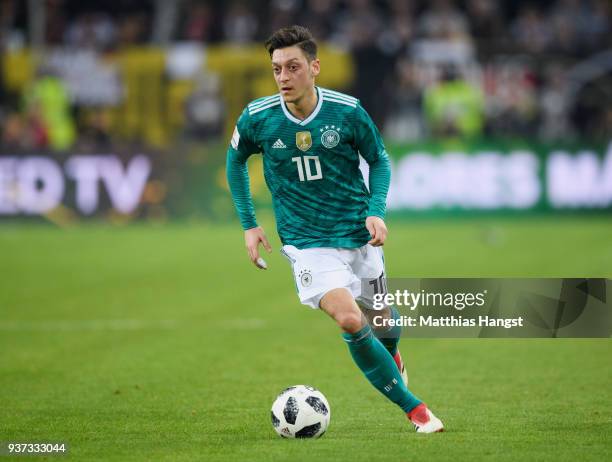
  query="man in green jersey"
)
[{"x": 330, "y": 224}]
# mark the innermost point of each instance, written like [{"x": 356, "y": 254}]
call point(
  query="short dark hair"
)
[{"x": 290, "y": 36}]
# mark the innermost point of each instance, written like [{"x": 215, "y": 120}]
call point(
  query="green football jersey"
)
[{"x": 311, "y": 167}]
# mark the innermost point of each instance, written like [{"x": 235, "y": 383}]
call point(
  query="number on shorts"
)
[{"x": 380, "y": 284}]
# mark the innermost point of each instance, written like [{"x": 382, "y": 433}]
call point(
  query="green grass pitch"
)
[{"x": 164, "y": 343}]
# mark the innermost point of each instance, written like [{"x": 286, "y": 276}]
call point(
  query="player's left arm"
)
[{"x": 371, "y": 147}]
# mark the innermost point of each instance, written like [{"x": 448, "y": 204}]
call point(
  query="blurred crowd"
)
[{"x": 471, "y": 68}]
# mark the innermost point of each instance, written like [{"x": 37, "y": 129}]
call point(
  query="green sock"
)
[
  {"x": 378, "y": 366},
  {"x": 390, "y": 336}
]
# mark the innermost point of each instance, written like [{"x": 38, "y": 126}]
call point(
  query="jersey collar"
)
[{"x": 313, "y": 114}]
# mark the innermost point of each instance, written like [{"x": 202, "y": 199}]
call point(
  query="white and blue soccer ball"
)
[{"x": 300, "y": 411}]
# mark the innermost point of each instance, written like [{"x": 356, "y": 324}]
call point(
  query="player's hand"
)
[
  {"x": 252, "y": 238},
  {"x": 378, "y": 230}
]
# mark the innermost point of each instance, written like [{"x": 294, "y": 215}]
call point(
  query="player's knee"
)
[{"x": 350, "y": 321}]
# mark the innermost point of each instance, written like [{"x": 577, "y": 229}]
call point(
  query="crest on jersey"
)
[
  {"x": 330, "y": 137},
  {"x": 303, "y": 140}
]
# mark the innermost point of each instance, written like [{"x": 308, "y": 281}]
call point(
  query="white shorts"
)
[{"x": 318, "y": 270}]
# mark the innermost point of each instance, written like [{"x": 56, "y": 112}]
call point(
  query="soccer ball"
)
[{"x": 300, "y": 412}]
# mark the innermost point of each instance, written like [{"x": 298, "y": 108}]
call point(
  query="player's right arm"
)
[{"x": 241, "y": 147}]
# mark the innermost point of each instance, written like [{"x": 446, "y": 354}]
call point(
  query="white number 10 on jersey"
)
[{"x": 304, "y": 163}]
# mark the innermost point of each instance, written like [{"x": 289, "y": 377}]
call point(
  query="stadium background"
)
[{"x": 133, "y": 327}]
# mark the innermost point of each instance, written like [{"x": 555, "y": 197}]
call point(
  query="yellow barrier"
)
[{"x": 152, "y": 108}]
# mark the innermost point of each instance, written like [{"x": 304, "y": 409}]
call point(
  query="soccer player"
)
[{"x": 331, "y": 226}]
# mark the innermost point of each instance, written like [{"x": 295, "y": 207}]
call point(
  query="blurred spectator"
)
[
  {"x": 569, "y": 19},
  {"x": 282, "y": 13},
  {"x": 598, "y": 35},
  {"x": 92, "y": 30},
  {"x": 198, "y": 21},
  {"x": 11, "y": 37},
  {"x": 555, "y": 106},
  {"x": 47, "y": 105},
  {"x": 204, "y": 109},
  {"x": 395, "y": 38},
  {"x": 531, "y": 31},
  {"x": 134, "y": 29},
  {"x": 443, "y": 21},
  {"x": 511, "y": 98},
  {"x": 454, "y": 107},
  {"x": 240, "y": 24},
  {"x": 486, "y": 23},
  {"x": 405, "y": 121},
  {"x": 591, "y": 112},
  {"x": 8, "y": 11},
  {"x": 360, "y": 26},
  {"x": 55, "y": 21},
  {"x": 579, "y": 26},
  {"x": 95, "y": 130},
  {"x": 24, "y": 131},
  {"x": 320, "y": 18}
]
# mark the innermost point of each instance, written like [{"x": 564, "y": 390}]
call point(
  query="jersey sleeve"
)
[
  {"x": 241, "y": 147},
  {"x": 372, "y": 149}
]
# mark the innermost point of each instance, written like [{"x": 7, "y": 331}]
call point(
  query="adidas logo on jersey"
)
[{"x": 278, "y": 144}]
